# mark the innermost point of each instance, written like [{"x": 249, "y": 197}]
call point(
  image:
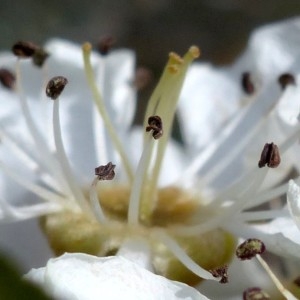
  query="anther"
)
[
  {"x": 255, "y": 293},
  {"x": 7, "y": 79},
  {"x": 286, "y": 79},
  {"x": 247, "y": 84},
  {"x": 55, "y": 87},
  {"x": 249, "y": 249},
  {"x": 221, "y": 272},
  {"x": 105, "y": 44},
  {"x": 24, "y": 49},
  {"x": 39, "y": 57},
  {"x": 269, "y": 156},
  {"x": 297, "y": 281},
  {"x": 105, "y": 172},
  {"x": 155, "y": 124}
]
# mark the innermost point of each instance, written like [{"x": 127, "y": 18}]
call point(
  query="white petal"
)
[
  {"x": 208, "y": 98},
  {"x": 272, "y": 50},
  {"x": 118, "y": 92},
  {"x": 293, "y": 201},
  {"x": 86, "y": 277}
]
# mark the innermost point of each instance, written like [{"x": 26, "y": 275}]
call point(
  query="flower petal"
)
[
  {"x": 272, "y": 50},
  {"x": 86, "y": 277},
  {"x": 208, "y": 98},
  {"x": 293, "y": 201}
]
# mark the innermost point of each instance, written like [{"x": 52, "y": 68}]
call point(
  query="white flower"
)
[{"x": 190, "y": 202}]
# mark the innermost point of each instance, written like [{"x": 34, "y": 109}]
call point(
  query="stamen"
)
[
  {"x": 61, "y": 154},
  {"x": 105, "y": 44},
  {"x": 270, "y": 156},
  {"x": 255, "y": 293},
  {"x": 9, "y": 213},
  {"x": 247, "y": 84},
  {"x": 286, "y": 79},
  {"x": 102, "y": 173},
  {"x": 27, "y": 158},
  {"x": 173, "y": 246},
  {"x": 227, "y": 212},
  {"x": 105, "y": 172},
  {"x": 24, "y": 49},
  {"x": 55, "y": 87},
  {"x": 250, "y": 121},
  {"x": 296, "y": 281},
  {"x": 30, "y": 186},
  {"x": 87, "y": 48},
  {"x": 39, "y": 57},
  {"x": 7, "y": 78},
  {"x": 262, "y": 215},
  {"x": 249, "y": 249},
  {"x": 46, "y": 158},
  {"x": 137, "y": 186},
  {"x": 287, "y": 294},
  {"x": 221, "y": 272},
  {"x": 155, "y": 125}
]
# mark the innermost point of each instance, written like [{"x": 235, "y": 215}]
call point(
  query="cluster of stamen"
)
[{"x": 143, "y": 204}]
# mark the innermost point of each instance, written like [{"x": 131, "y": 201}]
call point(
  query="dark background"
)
[{"x": 152, "y": 28}]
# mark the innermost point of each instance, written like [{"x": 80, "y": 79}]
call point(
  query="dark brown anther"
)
[
  {"x": 250, "y": 248},
  {"x": 39, "y": 57},
  {"x": 221, "y": 272},
  {"x": 286, "y": 79},
  {"x": 296, "y": 281},
  {"x": 24, "y": 49},
  {"x": 255, "y": 293},
  {"x": 105, "y": 44},
  {"x": 269, "y": 156},
  {"x": 105, "y": 172},
  {"x": 7, "y": 79},
  {"x": 55, "y": 86},
  {"x": 247, "y": 84},
  {"x": 155, "y": 124}
]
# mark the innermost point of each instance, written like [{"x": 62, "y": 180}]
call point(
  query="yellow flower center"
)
[{"x": 77, "y": 232}]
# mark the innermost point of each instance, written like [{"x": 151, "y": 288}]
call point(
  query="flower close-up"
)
[{"x": 71, "y": 156}]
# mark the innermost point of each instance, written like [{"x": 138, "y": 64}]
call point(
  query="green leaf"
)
[{"x": 12, "y": 286}]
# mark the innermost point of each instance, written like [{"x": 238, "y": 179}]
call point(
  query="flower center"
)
[{"x": 76, "y": 232}]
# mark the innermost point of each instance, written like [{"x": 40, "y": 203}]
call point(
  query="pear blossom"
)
[{"x": 190, "y": 201}]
